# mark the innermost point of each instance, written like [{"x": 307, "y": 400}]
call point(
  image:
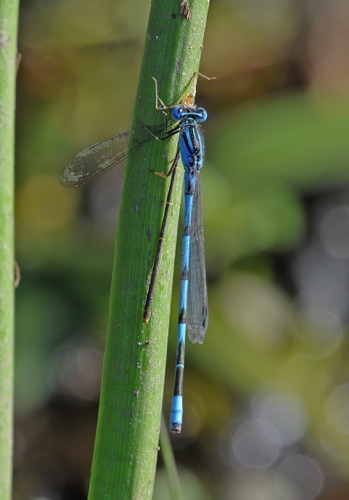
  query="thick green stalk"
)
[
  {"x": 8, "y": 56},
  {"x": 127, "y": 438}
]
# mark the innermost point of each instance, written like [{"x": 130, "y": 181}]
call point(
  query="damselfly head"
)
[{"x": 180, "y": 113}]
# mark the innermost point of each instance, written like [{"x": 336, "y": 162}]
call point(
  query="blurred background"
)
[{"x": 267, "y": 395}]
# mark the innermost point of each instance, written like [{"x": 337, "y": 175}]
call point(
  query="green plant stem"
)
[
  {"x": 127, "y": 437},
  {"x": 8, "y": 56}
]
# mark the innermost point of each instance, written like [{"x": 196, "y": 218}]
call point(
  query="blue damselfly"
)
[
  {"x": 193, "y": 309},
  {"x": 101, "y": 156}
]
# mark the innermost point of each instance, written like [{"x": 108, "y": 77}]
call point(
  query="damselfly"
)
[
  {"x": 193, "y": 310},
  {"x": 101, "y": 156}
]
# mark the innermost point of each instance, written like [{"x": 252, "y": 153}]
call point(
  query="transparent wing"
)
[
  {"x": 104, "y": 155},
  {"x": 197, "y": 310}
]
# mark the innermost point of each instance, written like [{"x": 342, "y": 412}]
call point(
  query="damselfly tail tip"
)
[{"x": 176, "y": 428}]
